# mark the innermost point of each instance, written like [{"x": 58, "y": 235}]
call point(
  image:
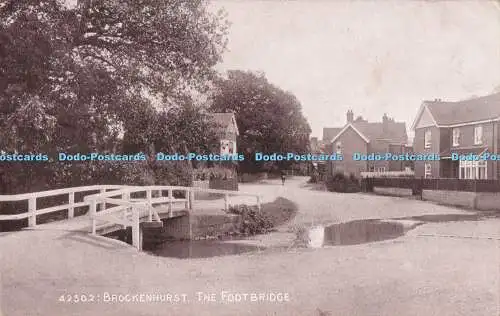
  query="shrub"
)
[
  {"x": 252, "y": 221},
  {"x": 213, "y": 173},
  {"x": 176, "y": 173},
  {"x": 339, "y": 182}
]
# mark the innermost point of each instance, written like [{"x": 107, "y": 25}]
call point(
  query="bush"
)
[
  {"x": 213, "y": 173},
  {"x": 339, "y": 182},
  {"x": 253, "y": 222},
  {"x": 175, "y": 173}
]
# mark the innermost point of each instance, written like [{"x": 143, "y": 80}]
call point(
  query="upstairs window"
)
[
  {"x": 478, "y": 135},
  {"x": 456, "y": 137},
  {"x": 338, "y": 148},
  {"x": 427, "y": 138},
  {"x": 428, "y": 170}
]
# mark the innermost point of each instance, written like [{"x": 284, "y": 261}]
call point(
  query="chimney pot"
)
[{"x": 350, "y": 116}]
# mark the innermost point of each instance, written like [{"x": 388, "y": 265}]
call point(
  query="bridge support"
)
[
  {"x": 178, "y": 227},
  {"x": 136, "y": 231},
  {"x": 32, "y": 212}
]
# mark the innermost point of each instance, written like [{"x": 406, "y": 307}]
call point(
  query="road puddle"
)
[
  {"x": 373, "y": 230},
  {"x": 200, "y": 249},
  {"x": 359, "y": 232}
]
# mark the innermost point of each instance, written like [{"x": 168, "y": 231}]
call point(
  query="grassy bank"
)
[{"x": 271, "y": 215}]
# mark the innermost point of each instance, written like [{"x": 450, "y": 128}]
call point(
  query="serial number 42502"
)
[{"x": 77, "y": 298}]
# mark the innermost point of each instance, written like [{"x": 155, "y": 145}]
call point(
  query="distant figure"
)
[{"x": 283, "y": 177}]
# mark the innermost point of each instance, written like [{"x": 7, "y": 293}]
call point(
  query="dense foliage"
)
[
  {"x": 339, "y": 182},
  {"x": 253, "y": 222},
  {"x": 104, "y": 76},
  {"x": 269, "y": 119}
]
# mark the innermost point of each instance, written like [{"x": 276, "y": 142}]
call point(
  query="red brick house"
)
[
  {"x": 362, "y": 137},
  {"x": 464, "y": 127}
]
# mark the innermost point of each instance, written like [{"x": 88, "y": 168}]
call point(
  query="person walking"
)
[{"x": 283, "y": 177}]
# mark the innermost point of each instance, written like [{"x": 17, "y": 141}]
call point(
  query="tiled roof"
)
[
  {"x": 472, "y": 110},
  {"x": 394, "y": 132},
  {"x": 330, "y": 132},
  {"x": 222, "y": 119}
]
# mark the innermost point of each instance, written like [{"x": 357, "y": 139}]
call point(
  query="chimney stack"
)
[
  {"x": 350, "y": 116},
  {"x": 385, "y": 123},
  {"x": 385, "y": 118}
]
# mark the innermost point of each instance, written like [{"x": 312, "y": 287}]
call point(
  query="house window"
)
[
  {"x": 381, "y": 169},
  {"x": 427, "y": 138},
  {"x": 478, "y": 135},
  {"x": 473, "y": 169},
  {"x": 338, "y": 148},
  {"x": 456, "y": 137},
  {"x": 428, "y": 170}
]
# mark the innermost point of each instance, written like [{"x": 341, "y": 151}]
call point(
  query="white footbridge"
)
[{"x": 112, "y": 207}]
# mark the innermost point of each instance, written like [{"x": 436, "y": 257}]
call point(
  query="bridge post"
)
[
  {"x": 92, "y": 214},
  {"x": 126, "y": 196},
  {"x": 191, "y": 200},
  {"x": 71, "y": 201},
  {"x": 170, "y": 195},
  {"x": 32, "y": 212},
  {"x": 149, "y": 194},
  {"x": 103, "y": 204},
  {"x": 188, "y": 198},
  {"x": 226, "y": 202},
  {"x": 136, "y": 233}
]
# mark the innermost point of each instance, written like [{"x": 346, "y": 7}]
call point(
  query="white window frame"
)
[
  {"x": 381, "y": 169},
  {"x": 478, "y": 135},
  {"x": 338, "y": 148},
  {"x": 472, "y": 169},
  {"x": 456, "y": 136},
  {"x": 427, "y": 170},
  {"x": 427, "y": 138}
]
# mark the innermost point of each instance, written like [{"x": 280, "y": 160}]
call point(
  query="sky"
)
[{"x": 373, "y": 57}]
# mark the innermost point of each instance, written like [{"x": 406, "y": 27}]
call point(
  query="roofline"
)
[
  {"x": 423, "y": 107},
  {"x": 233, "y": 120},
  {"x": 354, "y": 128},
  {"x": 468, "y": 123},
  {"x": 472, "y": 123}
]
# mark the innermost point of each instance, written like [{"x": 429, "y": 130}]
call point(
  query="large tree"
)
[
  {"x": 72, "y": 78},
  {"x": 269, "y": 118}
]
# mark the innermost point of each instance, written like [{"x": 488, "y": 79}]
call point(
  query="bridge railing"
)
[
  {"x": 127, "y": 211},
  {"x": 32, "y": 211}
]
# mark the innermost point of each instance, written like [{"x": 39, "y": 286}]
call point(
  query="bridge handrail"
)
[
  {"x": 103, "y": 196},
  {"x": 136, "y": 189},
  {"x": 26, "y": 196},
  {"x": 32, "y": 211}
]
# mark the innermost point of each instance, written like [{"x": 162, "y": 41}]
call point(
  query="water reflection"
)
[
  {"x": 201, "y": 249},
  {"x": 363, "y": 231},
  {"x": 355, "y": 232}
]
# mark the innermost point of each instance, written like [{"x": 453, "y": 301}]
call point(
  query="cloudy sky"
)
[{"x": 369, "y": 56}]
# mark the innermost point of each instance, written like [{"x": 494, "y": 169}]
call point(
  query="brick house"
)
[
  {"x": 227, "y": 132},
  {"x": 362, "y": 137},
  {"x": 464, "y": 127}
]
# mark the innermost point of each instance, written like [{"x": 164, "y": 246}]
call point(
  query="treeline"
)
[
  {"x": 126, "y": 77},
  {"x": 104, "y": 76}
]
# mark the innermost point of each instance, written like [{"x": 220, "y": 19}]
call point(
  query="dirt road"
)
[{"x": 449, "y": 268}]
